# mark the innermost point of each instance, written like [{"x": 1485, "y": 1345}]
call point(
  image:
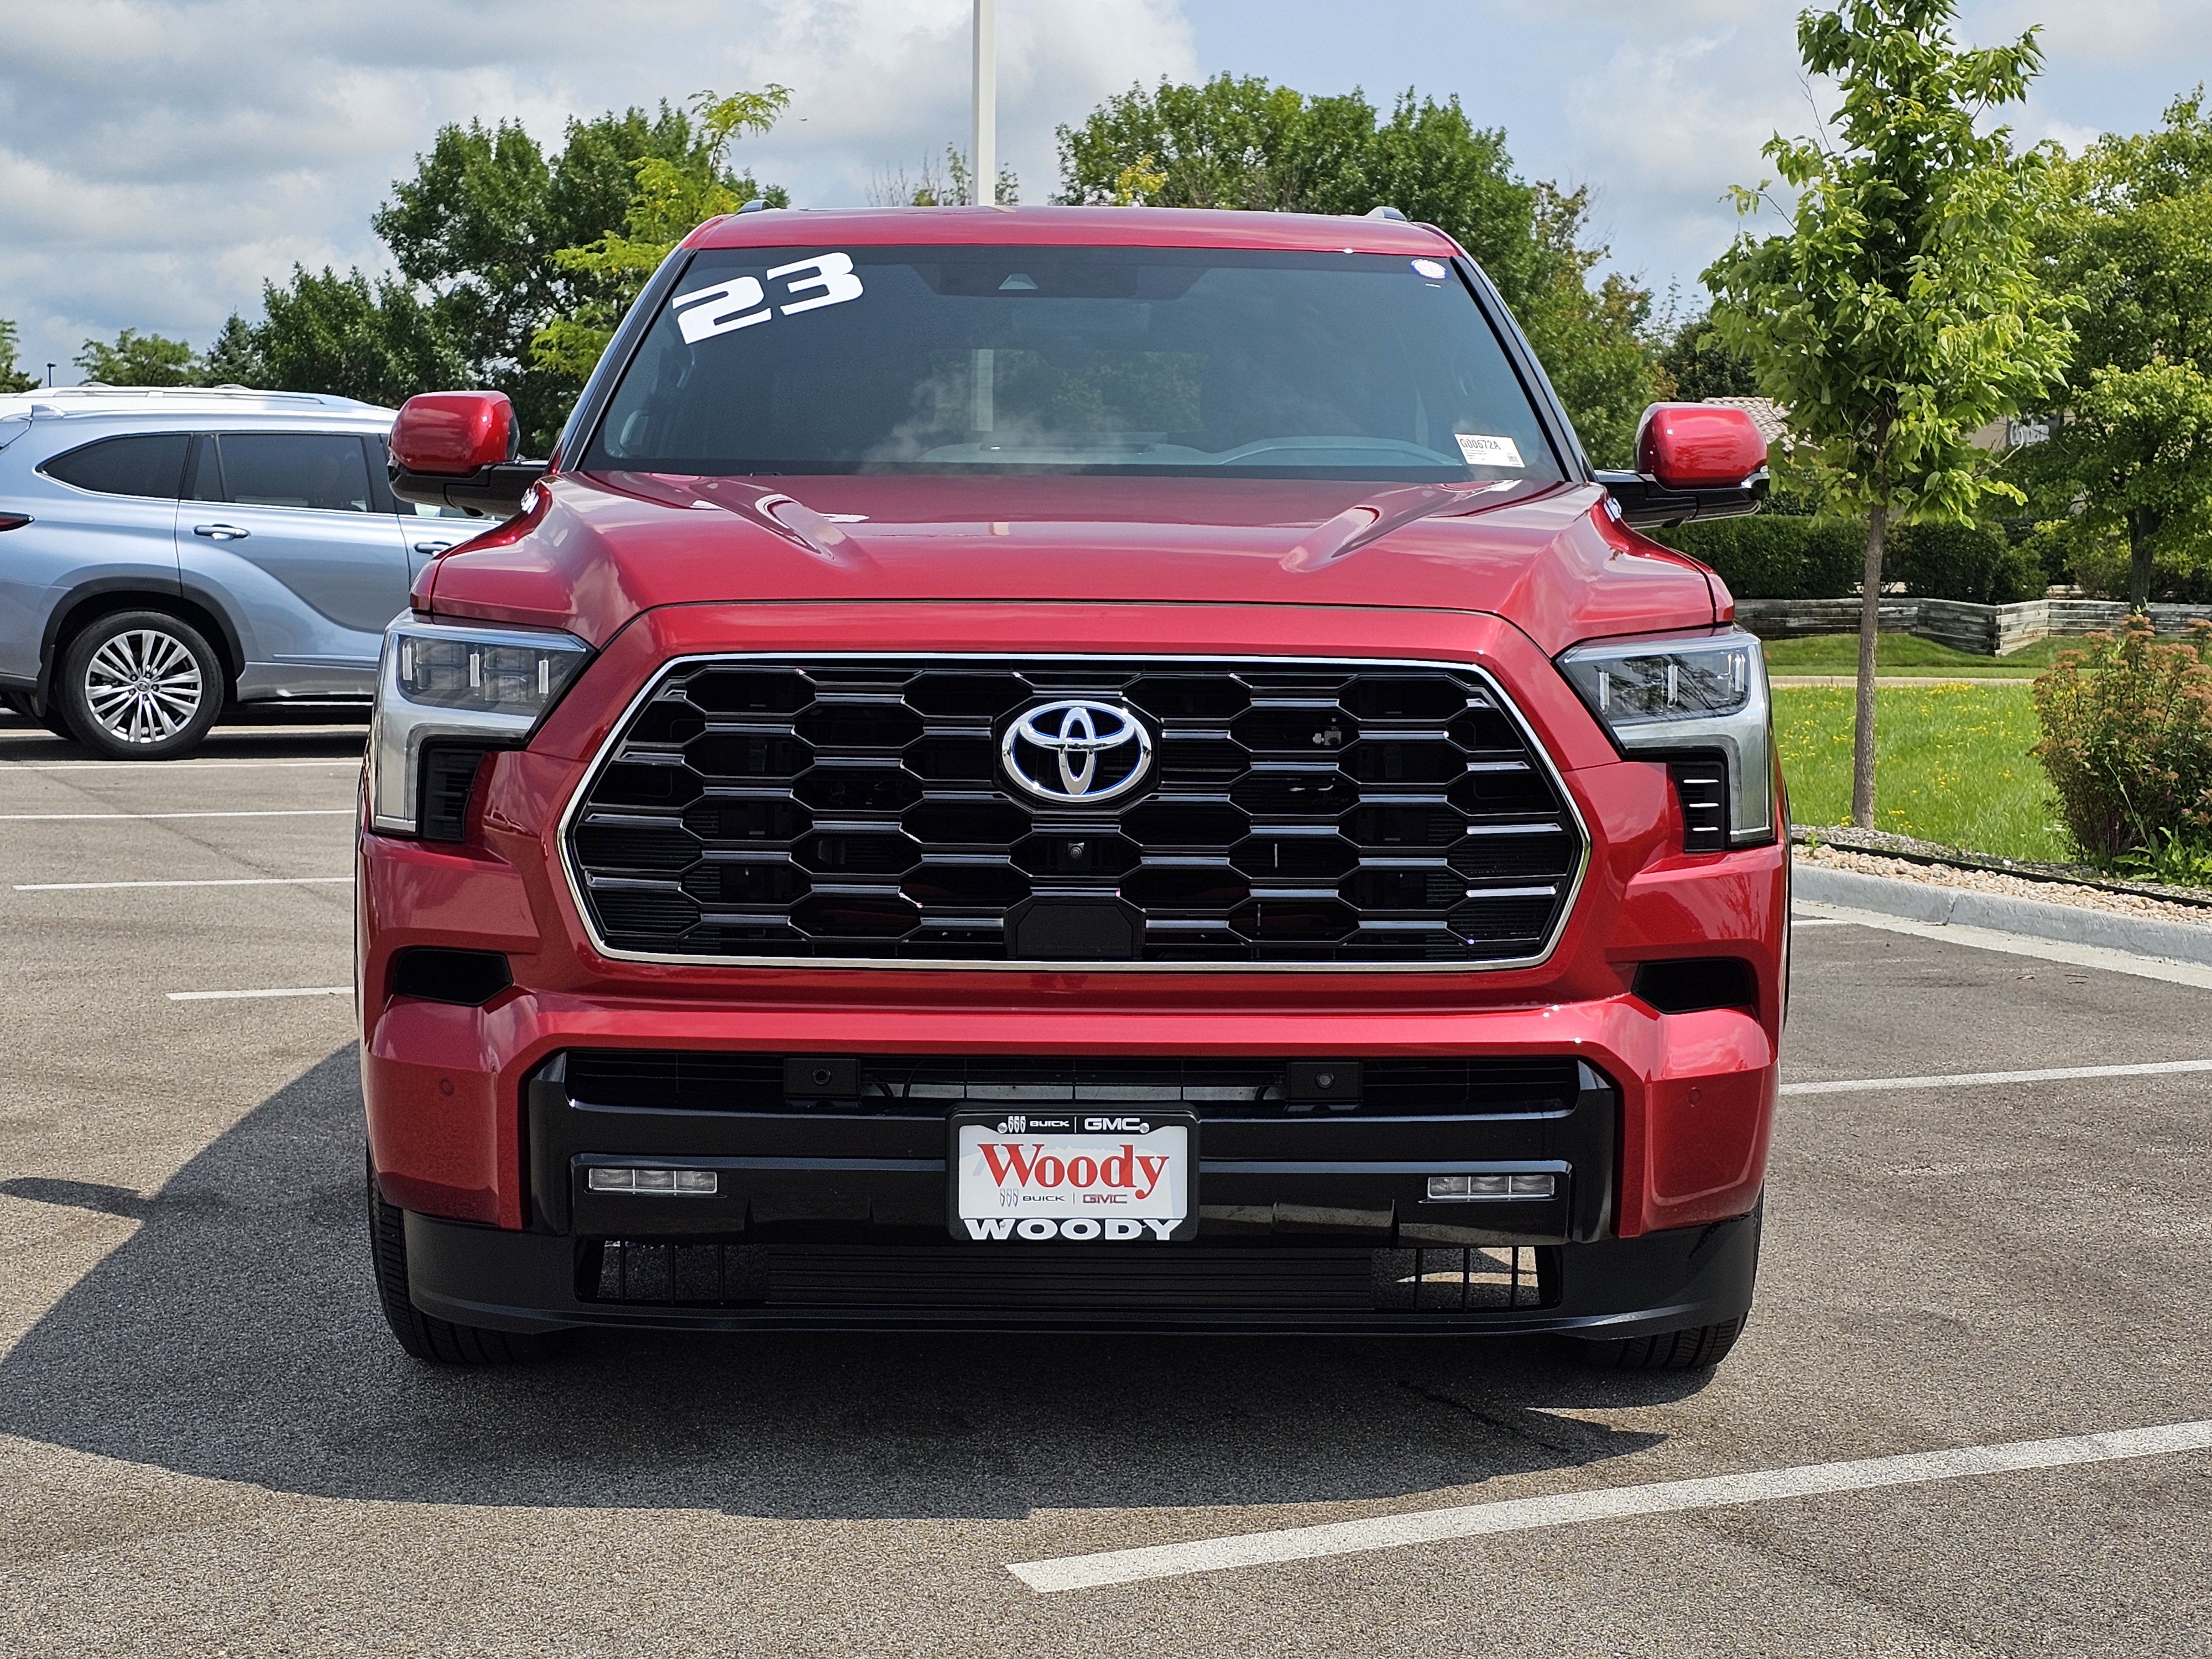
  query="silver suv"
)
[{"x": 165, "y": 553}]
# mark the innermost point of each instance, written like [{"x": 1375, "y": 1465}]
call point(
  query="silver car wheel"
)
[{"x": 143, "y": 686}]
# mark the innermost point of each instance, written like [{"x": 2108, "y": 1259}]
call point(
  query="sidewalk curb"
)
[{"x": 2000, "y": 912}]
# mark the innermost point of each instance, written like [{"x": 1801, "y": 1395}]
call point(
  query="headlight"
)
[
  {"x": 445, "y": 696},
  {"x": 1686, "y": 697}
]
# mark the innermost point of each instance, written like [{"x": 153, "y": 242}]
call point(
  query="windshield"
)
[{"x": 957, "y": 359}]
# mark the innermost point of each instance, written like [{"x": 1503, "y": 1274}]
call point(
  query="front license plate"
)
[{"x": 1079, "y": 1176}]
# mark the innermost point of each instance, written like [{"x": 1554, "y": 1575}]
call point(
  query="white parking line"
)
[
  {"x": 2018, "y": 944},
  {"x": 235, "y": 881},
  {"x": 233, "y": 996},
  {"x": 1069, "y": 1572},
  {"x": 147, "y": 817},
  {"x": 6, "y": 767},
  {"x": 1971, "y": 1080}
]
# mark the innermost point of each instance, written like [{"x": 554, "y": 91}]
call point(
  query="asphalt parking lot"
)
[{"x": 209, "y": 1444}]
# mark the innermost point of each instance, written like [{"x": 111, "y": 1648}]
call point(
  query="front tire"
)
[
  {"x": 437, "y": 1341},
  {"x": 1700, "y": 1348},
  {"x": 139, "y": 685}
]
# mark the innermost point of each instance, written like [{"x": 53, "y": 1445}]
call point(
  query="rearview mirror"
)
[
  {"x": 451, "y": 433},
  {"x": 459, "y": 449},
  {"x": 1693, "y": 461},
  {"x": 1699, "y": 446}
]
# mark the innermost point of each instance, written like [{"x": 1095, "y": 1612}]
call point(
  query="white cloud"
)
[
  {"x": 1680, "y": 106},
  {"x": 159, "y": 158}
]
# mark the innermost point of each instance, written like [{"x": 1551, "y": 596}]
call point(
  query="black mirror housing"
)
[{"x": 1647, "y": 504}]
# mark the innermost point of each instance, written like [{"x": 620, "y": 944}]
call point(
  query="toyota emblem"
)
[{"x": 1072, "y": 753}]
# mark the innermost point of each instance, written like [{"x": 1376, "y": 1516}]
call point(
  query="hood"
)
[{"x": 595, "y": 550}]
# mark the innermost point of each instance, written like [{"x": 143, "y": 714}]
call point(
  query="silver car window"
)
[
  {"x": 324, "y": 471},
  {"x": 145, "y": 464}
]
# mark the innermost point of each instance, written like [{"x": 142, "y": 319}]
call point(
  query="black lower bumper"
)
[
  {"x": 1310, "y": 1214},
  {"x": 1613, "y": 1287}
]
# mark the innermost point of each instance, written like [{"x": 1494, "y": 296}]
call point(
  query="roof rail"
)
[{"x": 85, "y": 399}]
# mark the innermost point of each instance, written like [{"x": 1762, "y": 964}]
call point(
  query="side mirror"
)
[
  {"x": 459, "y": 449},
  {"x": 1693, "y": 461},
  {"x": 453, "y": 434},
  {"x": 1699, "y": 446}
]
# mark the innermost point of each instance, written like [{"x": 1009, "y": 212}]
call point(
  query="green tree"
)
[
  {"x": 1901, "y": 310},
  {"x": 1590, "y": 340},
  {"x": 2127, "y": 233},
  {"x": 11, "y": 378},
  {"x": 481, "y": 223},
  {"x": 136, "y": 359},
  {"x": 476, "y": 232},
  {"x": 1692, "y": 362},
  {"x": 325, "y": 333},
  {"x": 1245, "y": 144},
  {"x": 671, "y": 196},
  {"x": 236, "y": 357}
]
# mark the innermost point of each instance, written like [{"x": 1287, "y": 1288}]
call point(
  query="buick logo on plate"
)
[{"x": 1075, "y": 752}]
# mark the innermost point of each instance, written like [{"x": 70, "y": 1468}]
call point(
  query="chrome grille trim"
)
[{"x": 1015, "y": 659}]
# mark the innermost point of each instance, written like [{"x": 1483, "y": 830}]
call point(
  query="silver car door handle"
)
[
  {"x": 432, "y": 547},
  {"x": 220, "y": 532}
]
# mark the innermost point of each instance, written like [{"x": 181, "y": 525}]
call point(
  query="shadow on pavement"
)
[{"x": 234, "y": 1336}]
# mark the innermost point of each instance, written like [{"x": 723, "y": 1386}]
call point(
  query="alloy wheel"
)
[{"x": 143, "y": 686}]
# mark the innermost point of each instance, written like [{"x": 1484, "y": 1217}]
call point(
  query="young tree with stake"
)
[{"x": 1901, "y": 310}]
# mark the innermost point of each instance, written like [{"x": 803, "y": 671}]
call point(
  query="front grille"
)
[
  {"x": 1046, "y": 1279},
  {"x": 930, "y": 1086},
  {"x": 1294, "y": 814}
]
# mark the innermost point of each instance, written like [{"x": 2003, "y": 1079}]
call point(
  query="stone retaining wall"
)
[{"x": 1987, "y": 630}]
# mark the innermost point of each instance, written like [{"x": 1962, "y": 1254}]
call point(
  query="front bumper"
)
[
  {"x": 1609, "y": 1288},
  {"x": 1310, "y": 1219}
]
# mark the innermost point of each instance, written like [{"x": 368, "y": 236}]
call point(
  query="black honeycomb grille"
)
[{"x": 1296, "y": 814}]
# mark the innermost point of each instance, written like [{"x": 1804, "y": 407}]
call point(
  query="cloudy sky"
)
[{"x": 159, "y": 158}]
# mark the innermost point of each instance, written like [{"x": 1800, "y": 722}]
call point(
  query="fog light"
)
[
  {"x": 1483, "y": 1189},
  {"x": 653, "y": 1181}
]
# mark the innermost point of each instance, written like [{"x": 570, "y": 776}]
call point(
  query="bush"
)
[
  {"x": 1775, "y": 556},
  {"x": 2099, "y": 564},
  {"x": 1785, "y": 555},
  {"x": 2127, "y": 741},
  {"x": 1976, "y": 562}
]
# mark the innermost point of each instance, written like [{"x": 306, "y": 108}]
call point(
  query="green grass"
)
[
  {"x": 1952, "y": 765},
  {"x": 1908, "y": 654}
]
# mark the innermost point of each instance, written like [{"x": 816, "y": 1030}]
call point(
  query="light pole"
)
[{"x": 983, "y": 149}]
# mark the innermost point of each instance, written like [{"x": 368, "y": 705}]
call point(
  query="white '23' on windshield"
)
[{"x": 742, "y": 301}]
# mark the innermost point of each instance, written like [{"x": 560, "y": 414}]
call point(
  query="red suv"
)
[{"x": 1101, "y": 768}]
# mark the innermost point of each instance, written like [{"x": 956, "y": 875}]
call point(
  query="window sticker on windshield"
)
[
  {"x": 722, "y": 309},
  {"x": 1482, "y": 451},
  {"x": 742, "y": 301},
  {"x": 832, "y": 273},
  {"x": 1434, "y": 269}
]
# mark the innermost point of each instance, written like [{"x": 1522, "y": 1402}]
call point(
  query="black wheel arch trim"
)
[{"x": 87, "y": 601}]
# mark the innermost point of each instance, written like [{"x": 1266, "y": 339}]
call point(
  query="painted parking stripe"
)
[
  {"x": 230, "y": 881},
  {"x": 2101, "y": 958},
  {"x": 1977, "y": 1079},
  {"x": 1070, "y": 1572},
  {"x": 353, "y": 765},
  {"x": 148, "y": 817},
  {"x": 237, "y": 996}
]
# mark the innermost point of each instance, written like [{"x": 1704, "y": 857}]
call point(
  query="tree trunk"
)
[
  {"x": 2139, "y": 562},
  {"x": 1870, "y": 630}
]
